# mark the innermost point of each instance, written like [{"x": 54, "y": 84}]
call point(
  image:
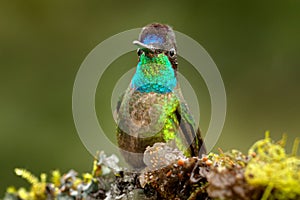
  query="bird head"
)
[
  {"x": 157, "y": 40},
  {"x": 156, "y": 70}
]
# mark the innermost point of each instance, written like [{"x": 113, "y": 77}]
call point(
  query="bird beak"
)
[{"x": 144, "y": 46}]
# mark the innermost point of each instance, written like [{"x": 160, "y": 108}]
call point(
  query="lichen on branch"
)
[{"x": 267, "y": 172}]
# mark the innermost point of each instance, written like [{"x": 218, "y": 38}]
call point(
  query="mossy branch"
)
[{"x": 266, "y": 173}]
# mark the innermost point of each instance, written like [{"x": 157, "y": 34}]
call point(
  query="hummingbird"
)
[{"x": 152, "y": 109}]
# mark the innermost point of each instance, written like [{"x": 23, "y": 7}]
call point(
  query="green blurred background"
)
[{"x": 255, "y": 44}]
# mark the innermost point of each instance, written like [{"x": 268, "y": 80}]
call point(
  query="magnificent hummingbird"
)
[{"x": 152, "y": 109}]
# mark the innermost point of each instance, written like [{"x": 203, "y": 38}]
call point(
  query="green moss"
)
[
  {"x": 273, "y": 169},
  {"x": 266, "y": 173}
]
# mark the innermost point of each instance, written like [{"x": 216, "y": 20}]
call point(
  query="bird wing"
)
[
  {"x": 187, "y": 126},
  {"x": 116, "y": 112}
]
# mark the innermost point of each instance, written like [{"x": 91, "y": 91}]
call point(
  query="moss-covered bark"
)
[{"x": 266, "y": 173}]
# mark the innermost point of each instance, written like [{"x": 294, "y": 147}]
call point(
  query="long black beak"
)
[{"x": 144, "y": 46}]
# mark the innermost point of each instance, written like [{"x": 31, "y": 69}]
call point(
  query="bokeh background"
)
[{"x": 255, "y": 44}]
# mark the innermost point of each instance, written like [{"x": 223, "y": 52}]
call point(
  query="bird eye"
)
[
  {"x": 172, "y": 52},
  {"x": 139, "y": 52}
]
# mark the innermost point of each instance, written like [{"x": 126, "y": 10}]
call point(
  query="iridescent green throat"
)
[{"x": 154, "y": 75}]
